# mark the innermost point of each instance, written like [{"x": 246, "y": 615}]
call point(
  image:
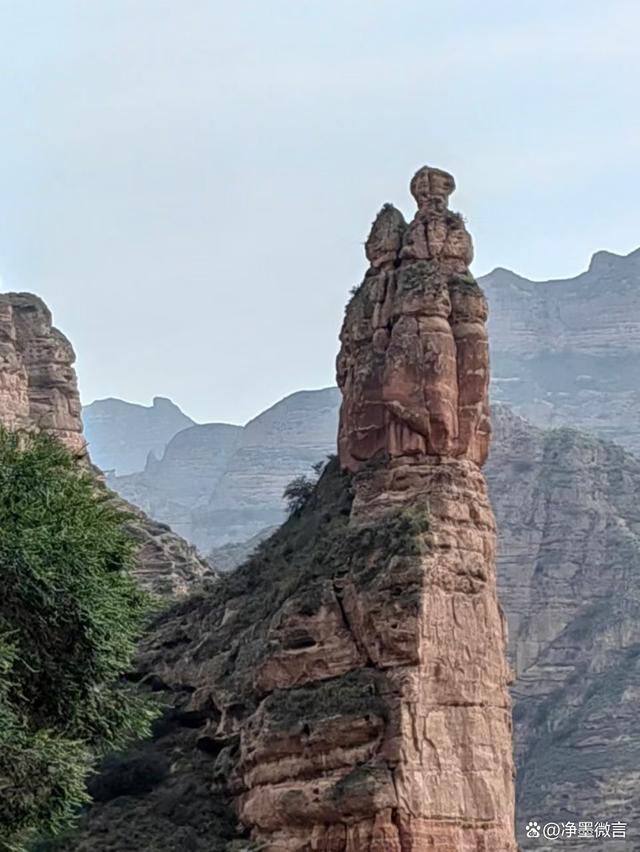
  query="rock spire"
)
[
  {"x": 414, "y": 364},
  {"x": 414, "y": 428}
]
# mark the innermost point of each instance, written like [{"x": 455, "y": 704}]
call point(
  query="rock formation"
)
[
  {"x": 345, "y": 689},
  {"x": 39, "y": 390},
  {"x": 413, "y": 367},
  {"x": 38, "y": 387},
  {"x": 569, "y": 574},
  {"x": 414, "y": 373}
]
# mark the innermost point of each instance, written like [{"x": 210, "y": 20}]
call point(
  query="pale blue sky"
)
[{"x": 188, "y": 184}]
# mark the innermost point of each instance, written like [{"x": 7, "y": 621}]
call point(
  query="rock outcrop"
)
[
  {"x": 38, "y": 387},
  {"x": 345, "y": 689},
  {"x": 569, "y": 574},
  {"x": 39, "y": 390},
  {"x": 413, "y": 366},
  {"x": 414, "y": 373}
]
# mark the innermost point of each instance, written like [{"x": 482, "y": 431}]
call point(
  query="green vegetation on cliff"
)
[{"x": 70, "y": 614}]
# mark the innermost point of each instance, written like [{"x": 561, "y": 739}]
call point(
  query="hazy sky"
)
[{"x": 188, "y": 183}]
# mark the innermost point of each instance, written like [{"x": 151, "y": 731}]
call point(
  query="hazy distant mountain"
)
[
  {"x": 122, "y": 434},
  {"x": 217, "y": 483},
  {"x": 567, "y": 352}
]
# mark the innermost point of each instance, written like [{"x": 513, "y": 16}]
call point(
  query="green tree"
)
[{"x": 70, "y": 613}]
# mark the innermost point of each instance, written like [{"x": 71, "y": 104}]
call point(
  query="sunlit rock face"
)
[
  {"x": 429, "y": 766},
  {"x": 38, "y": 386},
  {"x": 414, "y": 366}
]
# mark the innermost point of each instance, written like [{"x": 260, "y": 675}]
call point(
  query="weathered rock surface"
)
[
  {"x": 166, "y": 564},
  {"x": 413, "y": 366},
  {"x": 567, "y": 353},
  {"x": 121, "y": 435},
  {"x": 304, "y": 696},
  {"x": 346, "y": 688},
  {"x": 569, "y": 575},
  {"x": 38, "y": 387},
  {"x": 39, "y": 390},
  {"x": 414, "y": 372}
]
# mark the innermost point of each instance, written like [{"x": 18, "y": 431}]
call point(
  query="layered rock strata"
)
[
  {"x": 345, "y": 689},
  {"x": 38, "y": 387},
  {"x": 569, "y": 574},
  {"x": 414, "y": 372}
]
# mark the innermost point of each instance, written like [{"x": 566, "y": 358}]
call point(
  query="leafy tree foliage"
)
[
  {"x": 70, "y": 613},
  {"x": 298, "y": 492}
]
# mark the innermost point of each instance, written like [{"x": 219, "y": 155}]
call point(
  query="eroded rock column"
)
[
  {"x": 414, "y": 428},
  {"x": 414, "y": 373},
  {"x": 384, "y": 721}
]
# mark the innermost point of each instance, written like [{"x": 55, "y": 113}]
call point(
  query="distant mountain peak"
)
[
  {"x": 601, "y": 262},
  {"x": 604, "y": 260},
  {"x": 122, "y": 434}
]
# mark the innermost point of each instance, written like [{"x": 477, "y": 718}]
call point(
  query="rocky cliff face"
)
[
  {"x": 39, "y": 390},
  {"x": 569, "y": 574},
  {"x": 568, "y": 557},
  {"x": 38, "y": 387},
  {"x": 567, "y": 353},
  {"x": 346, "y": 688},
  {"x": 121, "y": 435}
]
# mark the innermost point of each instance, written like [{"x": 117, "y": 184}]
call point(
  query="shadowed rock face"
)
[
  {"x": 413, "y": 366},
  {"x": 569, "y": 577}
]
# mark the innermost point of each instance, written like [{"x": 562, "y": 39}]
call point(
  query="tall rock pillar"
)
[{"x": 414, "y": 430}]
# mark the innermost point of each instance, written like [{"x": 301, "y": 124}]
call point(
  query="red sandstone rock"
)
[
  {"x": 414, "y": 361},
  {"x": 432, "y": 767},
  {"x": 346, "y": 689},
  {"x": 38, "y": 387}
]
